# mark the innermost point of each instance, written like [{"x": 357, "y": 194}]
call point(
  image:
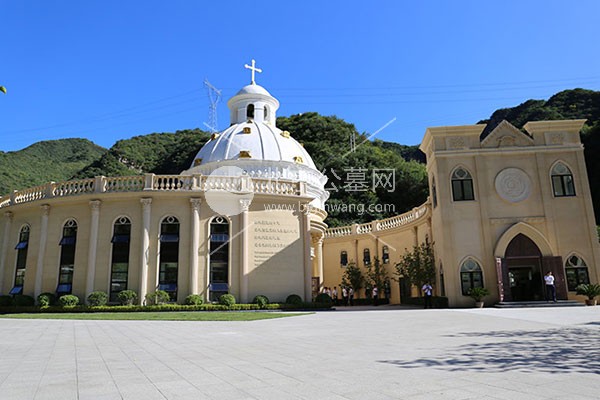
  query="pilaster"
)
[
  {"x": 42, "y": 250},
  {"x": 146, "y": 215}
]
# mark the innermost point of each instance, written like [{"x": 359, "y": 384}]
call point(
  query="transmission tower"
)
[{"x": 214, "y": 95}]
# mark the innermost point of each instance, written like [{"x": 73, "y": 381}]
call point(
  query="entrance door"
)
[
  {"x": 405, "y": 289},
  {"x": 525, "y": 281}
]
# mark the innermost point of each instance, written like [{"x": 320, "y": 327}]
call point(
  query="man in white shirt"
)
[
  {"x": 427, "y": 290},
  {"x": 550, "y": 288}
]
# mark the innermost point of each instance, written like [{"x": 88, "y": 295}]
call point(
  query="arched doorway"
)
[{"x": 523, "y": 259}]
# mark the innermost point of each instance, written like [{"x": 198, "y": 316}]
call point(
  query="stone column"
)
[
  {"x": 7, "y": 225},
  {"x": 244, "y": 251},
  {"x": 307, "y": 261},
  {"x": 42, "y": 250},
  {"x": 146, "y": 213},
  {"x": 93, "y": 246},
  {"x": 320, "y": 259},
  {"x": 195, "y": 244}
]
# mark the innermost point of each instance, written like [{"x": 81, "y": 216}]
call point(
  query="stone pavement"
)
[{"x": 382, "y": 353}]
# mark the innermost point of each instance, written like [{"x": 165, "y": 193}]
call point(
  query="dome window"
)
[
  {"x": 250, "y": 111},
  {"x": 266, "y": 115},
  {"x": 197, "y": 162},
  {"x": 298, "y": 160},
  {"x": 214, "y": 136},
  {"x": 247, "y": 129},
  {"x": 245, "y": 154},
  {"x": 285, "y": 134}
]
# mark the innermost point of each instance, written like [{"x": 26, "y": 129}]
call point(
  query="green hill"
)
[{"x": 53, "y": 160}]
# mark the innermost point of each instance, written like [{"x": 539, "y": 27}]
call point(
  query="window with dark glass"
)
[
  {"x": 67, "y": 258},
  {"x": 250, "y": 111},
  {"x": 385, "y": 254},
  {"x": 169, "y": 256},
  {"x": 120, "y": 257},
  {"x": 21, "y": 248},
  {"x": 367, "y": 257},
  {"x": 462, "y": 185},
  {"x": 576, "y": 272},
  {"x": 219, "y": 257},
  {"x": 344, "y": 258},
  {"x": 562, "y": 181},
  {"x": 471, "y": 276},
  {"x": 433, "y": 192}
]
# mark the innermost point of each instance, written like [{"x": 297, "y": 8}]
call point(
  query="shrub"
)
[
  {"x": 22, "y": 300},
  {"x": 68, "y": 300},
  {"x": 127, "y": 297},
  {"x": 6, "y": 301},
  {"x": 158, "y": 297},
  {"x": 227, "y": 300},
  {"x": 590, "y": 290},
  {"x": 194, "y": 300},
  {"x": 293, "y": 299},
  {"x": 437, "y": 301},
  {"x": 46, "y": 299},
  {"x": 323, "y": 298},
  {"x": 261, "y": 300},
  {"x": 97, "y": 299}
]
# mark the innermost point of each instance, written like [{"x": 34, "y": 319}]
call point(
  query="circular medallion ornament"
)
[{"x": 513, "y": 185}]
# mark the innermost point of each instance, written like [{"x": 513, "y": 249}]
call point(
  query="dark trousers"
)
[
  {"x": 428, "y": 302},
  {"x": 550, "y": 293}
]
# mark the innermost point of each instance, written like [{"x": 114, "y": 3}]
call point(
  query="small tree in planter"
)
[
  {"x": 477, "y": 294},
  {"x": 590, "y": 290},
  {"x": 157, "y": 298}
]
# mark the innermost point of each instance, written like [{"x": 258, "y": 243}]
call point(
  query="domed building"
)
[{"x": 244, "y": 219}]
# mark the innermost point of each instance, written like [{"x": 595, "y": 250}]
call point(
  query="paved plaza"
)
[{"x": 383, "y": 353}]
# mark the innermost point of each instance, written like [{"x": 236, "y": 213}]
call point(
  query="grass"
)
[{"x": 159, "y": 316}]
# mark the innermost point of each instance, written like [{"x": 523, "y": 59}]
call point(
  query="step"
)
[{"x": 528, "y": 304}]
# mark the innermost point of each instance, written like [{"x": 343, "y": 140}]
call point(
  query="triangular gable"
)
[{"x": 506, "y": 135}]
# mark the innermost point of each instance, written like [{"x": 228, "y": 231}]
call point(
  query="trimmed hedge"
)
[
  {"x": 261, "y": 300},
  {"x": 194, "y": 300},
  {"x": 97, "y": 299},
  {"x": 68, "y": 300},
  {"x": 127, "y": 297},
  {"x": 436, "y": 301},
  {"x": 6, "y": 301},
  {"x": 227, "y": 300},
  {"x": 22, "y": 300},
  {"x": 157, "y": 298},
  {"x": 293, "y": 299},
  {"x": 323, "y": 298},
  {"x": 46, "y": 299}
]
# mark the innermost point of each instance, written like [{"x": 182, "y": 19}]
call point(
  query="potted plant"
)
[
  {"x": 477, "y": 294},
  {"x": 591, "y": 290}
]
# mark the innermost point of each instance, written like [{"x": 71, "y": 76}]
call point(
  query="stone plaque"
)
[{"x": 513, "y": 185}]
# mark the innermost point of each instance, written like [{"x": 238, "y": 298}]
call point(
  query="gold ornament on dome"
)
[
  {"x": 214, "y": 136},
  {"x": 285, "y": 134},
  {"x": 298, "y": 160},
  {"x": 247, "y": 129},
  {"x": 197, "y": 162},
  {"x": 245, "y": 154}
]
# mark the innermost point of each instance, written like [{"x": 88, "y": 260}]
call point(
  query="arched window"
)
[
  {"x": 344, "y": 258},
  {"x": 462, "y": 185},
  {"x": 576, "y": 271},
  {"x": 471, "y": 276},
  {"x": 219, "y": 257},
  {"x": 67, "y": 258},
  {"x": 169, "y": 256},
  {"x": 367, "y": 257},
  {"x": 120, "y": 257},
  {"x": 21, "y": 248},
  {"x": 250, "y": 111},
  {"x": 266, "y": 115},
  {"x": 433, "y": 192},
  {"x": 385, "y": 254},
  {"x": 562, "y": 181}
]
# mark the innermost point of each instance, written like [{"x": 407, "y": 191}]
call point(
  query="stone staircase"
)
[{"x": 530, "y": 304}]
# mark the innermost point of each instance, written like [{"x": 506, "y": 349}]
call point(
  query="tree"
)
[
  {"x": 418, "y": 265},
  {"x": 353, "y": 277},
  {"x": 376, "y": 274}
]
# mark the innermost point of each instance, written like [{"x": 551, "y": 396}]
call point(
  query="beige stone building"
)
[{"x": 248, "y": 218}]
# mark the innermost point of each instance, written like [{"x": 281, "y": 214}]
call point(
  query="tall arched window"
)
[
  {"x": 250, "y": 111},
  {"x": 120, "y": 257},
  {"x": 67, "y": 258},
  {"x": 219, "y": 257},
  {"x": 471, "y": 275},
  {"x": 462, "y": 185},
  {"x": 343, "y": 258},
  {"x": 169, "y": 256},
  {"x": 367, "y": 257},
  {"x": 576, "y": 271},
  {"x": 433, "y": 192},
  {"x": 21, "y": 248},
  {"x": 562, "y": 181},
  {"x": 266, "y": 115}
]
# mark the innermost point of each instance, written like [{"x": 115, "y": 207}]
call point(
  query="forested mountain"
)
[
  {"x": 326, "y": 138},
  {"x": 52, "y": 160}
]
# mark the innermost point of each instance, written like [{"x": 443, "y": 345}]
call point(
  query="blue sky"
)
[{"x": 110, "y": 70}]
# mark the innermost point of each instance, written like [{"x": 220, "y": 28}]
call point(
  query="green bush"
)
[
  {"x": 323, "y": 298},
  {"x": 22, "y": 300},
  {"x": 261, "y": 300},
  {"x": 68, "y": 300},
  {"x": 227, "y": 300},
  {"x": 293, "y": 299},
  {"x": 6, "y": 301},
  {"x": 127, "y": 297},
  {"x": 157, "y": 298},
  {"x": 97, "y": 299},
  {"x": 46, "y": 299},
  {"x": 194, "y": 300},
  {"x": 436, "y": 301}
]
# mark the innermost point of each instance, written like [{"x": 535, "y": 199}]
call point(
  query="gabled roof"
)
[{"x": 506, "y": 135}]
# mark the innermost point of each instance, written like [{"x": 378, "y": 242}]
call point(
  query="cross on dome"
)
[{"x": 253, "y": 69}]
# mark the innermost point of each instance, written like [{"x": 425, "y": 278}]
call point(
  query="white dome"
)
[{"x": 253, "y": 88}]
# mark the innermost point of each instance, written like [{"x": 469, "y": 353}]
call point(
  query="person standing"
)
[
  {"x": 345, "y": 295},
  {"x": 428, "y": 293},
  {"x": 550, "y": 288},
  {"x": 375, "y": 295},
  {"x": 334, "y": 296},
  {"x": 351, "y": 295}
]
